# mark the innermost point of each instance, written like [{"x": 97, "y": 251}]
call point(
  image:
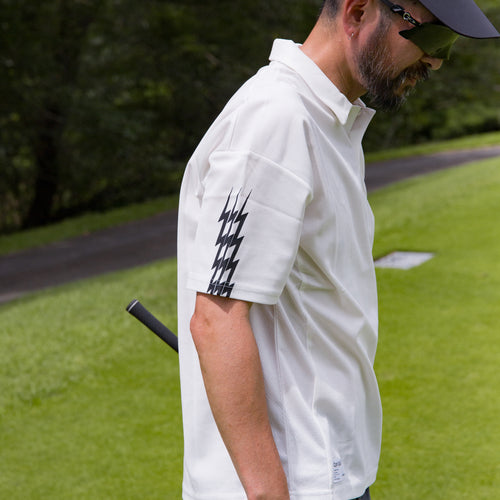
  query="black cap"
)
[{"x": 462, "y": 16}]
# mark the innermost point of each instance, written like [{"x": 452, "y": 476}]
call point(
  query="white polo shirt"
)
[{"x": 273, "y": 210}]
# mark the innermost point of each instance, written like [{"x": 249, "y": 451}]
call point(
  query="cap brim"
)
[{"x": 462, "y": 16}]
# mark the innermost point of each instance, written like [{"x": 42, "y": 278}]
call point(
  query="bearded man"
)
[{"x": 277, "y": 295}]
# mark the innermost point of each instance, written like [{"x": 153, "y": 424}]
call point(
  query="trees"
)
[
  {"x": 103, "y": 101},
  {"x": 42, "y": 47}
]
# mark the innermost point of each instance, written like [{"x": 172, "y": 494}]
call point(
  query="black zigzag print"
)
[{"x": 228, "y": 241}]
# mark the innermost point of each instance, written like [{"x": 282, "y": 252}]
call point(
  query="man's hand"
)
[{"x": 234, "y": 382}]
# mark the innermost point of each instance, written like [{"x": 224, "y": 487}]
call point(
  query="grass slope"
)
[
  {"x": 439, "y": 348},
  {"x": 90, "y": 408}
]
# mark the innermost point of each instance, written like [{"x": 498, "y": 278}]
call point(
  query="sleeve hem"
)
[{"x": 238, "y": 293}]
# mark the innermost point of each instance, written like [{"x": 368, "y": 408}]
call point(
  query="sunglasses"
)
[{"x": 434, "y": 39}]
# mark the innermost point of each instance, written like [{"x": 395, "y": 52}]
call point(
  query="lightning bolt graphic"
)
[{"x": 228, "y": 242}]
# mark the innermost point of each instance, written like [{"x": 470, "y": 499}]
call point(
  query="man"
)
[{"x": 277, "y": 292}]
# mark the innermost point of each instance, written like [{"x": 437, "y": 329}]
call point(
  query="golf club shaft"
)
[{"x": 136, "y": 309}]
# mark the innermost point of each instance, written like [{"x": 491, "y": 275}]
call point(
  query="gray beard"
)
[{"x": 385, "y": 92}]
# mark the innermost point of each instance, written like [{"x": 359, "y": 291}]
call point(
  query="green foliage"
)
[{"x": 104, "y": 101}]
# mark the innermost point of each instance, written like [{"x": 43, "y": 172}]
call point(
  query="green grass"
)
[
  {"x": 439, "y": 349},
  {"x": 90, "y": 408}
]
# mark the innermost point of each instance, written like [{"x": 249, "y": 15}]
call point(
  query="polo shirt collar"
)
[{"x": 287, "y": 52}]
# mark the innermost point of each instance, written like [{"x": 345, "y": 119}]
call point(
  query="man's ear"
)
[{"x": 355, "y": 13}]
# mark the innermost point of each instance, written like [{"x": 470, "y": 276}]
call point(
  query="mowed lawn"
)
[
  {"x": 438, "y": 361},
  {"x": 89, "y": 399}
]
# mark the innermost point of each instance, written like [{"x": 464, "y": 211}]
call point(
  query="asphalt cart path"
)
[{"x": 154, "y": 238}]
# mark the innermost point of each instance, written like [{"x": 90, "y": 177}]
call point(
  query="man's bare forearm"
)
[{"x": 234, "y": 382}]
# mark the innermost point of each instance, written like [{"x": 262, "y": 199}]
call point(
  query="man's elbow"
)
[
  {"x": 214, "y": 317},
  {"x": 200, "y": 329}
]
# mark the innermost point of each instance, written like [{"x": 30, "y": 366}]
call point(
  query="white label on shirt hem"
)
[{"x": 338, "y": 472}]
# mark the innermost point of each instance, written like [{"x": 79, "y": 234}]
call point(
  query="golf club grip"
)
[{"x": 136, "y": 309}]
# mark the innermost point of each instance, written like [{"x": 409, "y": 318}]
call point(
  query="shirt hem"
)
[{"x": 347, "y": 493}]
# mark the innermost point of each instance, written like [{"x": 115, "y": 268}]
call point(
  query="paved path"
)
[{"x": 151, "y": 239}]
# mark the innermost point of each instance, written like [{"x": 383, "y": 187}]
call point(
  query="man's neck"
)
[{"x": 329, "y": 48}]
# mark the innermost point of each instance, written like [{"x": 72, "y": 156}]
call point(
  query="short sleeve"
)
[{"x": 249, "y": 228}]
